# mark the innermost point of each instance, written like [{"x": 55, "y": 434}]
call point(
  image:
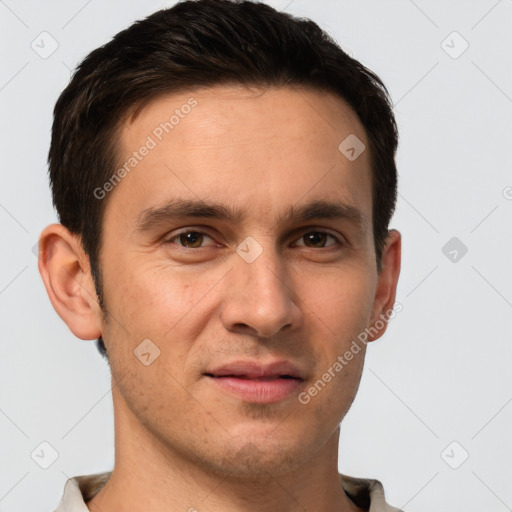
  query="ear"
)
[
  {"x": 65, "y": 270},
  {"x": 386, "y": 285}
]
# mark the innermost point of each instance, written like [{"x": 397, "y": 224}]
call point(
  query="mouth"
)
[
  {"x": 256, "y": 383},
  {"x": 246, "y": 377}
]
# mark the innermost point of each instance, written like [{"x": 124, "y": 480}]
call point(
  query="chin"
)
[{"x": 260, "y": 456}]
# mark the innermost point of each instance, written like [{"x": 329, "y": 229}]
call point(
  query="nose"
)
[{"x": 259, "y": 297}]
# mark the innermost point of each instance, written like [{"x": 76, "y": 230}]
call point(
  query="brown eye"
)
[
  {"x": 317, "y": 239},
  {"x": 193, "y": 238},
  {"x": 189, "y": 239}
]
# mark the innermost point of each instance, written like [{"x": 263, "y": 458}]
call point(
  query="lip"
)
[
  {"x": 255, "y": 369},
  {"x": 255, "y": 382}
]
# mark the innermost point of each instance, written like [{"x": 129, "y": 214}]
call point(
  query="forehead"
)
[
  {"x": 264, "y": 148},
  {"x": 216, "y": 110}
]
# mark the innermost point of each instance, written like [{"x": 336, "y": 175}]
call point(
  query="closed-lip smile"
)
[{"x": 255, "y": 382}]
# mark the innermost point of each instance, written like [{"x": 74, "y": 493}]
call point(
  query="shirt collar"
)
[{"x": 364, "y": 492}]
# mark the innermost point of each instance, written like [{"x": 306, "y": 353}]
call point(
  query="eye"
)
[
  {"x": 192, "y": 239},
  {"x": 317, "y": 239},
  {"x": 189, "y": 239}
]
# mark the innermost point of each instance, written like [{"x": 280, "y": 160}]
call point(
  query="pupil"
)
[
  {"x": 190, "y": 238},
  {"x": 315, "y": 236}
]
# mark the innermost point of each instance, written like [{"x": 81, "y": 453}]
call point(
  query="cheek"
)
[
  {"x": 149, "y": 303},
  {"x": 342, "y": 301},
  {"x": 159, "y": 301}
]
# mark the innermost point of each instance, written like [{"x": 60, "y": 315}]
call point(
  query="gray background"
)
[{"x": 441, "y": 372}]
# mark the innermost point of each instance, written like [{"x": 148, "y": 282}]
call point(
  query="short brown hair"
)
[{"x": 201, "y": 43}]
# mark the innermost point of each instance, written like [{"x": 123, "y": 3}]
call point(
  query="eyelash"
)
[{"x": 188, "y": 230}]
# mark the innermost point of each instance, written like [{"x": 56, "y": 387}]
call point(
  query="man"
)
[{"x": 224, "y": 176}]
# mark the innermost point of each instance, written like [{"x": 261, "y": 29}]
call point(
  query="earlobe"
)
[
  {"x": 385, "y": 293},
  {"x": 64, "y": 268}
]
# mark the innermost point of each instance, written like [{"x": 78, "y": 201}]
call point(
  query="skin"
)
[{"x": 180, "y": 441}]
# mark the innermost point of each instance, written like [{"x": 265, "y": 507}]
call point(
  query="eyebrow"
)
[{"x": 177, "y": 209}]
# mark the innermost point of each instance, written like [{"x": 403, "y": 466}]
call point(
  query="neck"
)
[{"x": 152, "y": 475}]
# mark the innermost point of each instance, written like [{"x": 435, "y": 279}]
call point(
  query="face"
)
[{"x": 247, "y": 280}]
